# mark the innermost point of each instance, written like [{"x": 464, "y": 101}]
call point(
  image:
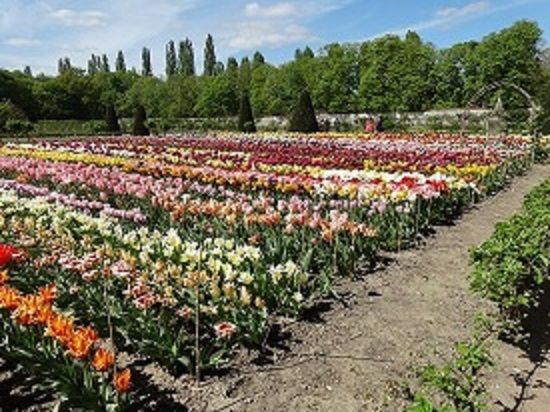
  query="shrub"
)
[
  {"x": 511, "y": 266},
  {"x": 302, "y": 117}
]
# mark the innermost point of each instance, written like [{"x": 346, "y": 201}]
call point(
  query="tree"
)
[
  {"x": 120, "y": 64},
  {"x": 105, "y": 64},
  {"x": 27, "y": 71},
  {"x": 219, "y": 68},
  {"x": 232, "y": 64},
  {"x": 146, "y": 68},
  {"x": 257, "y": 60},
  {"x": 302, "y": 117},
  {"x": 111, "y": 119},
  {"x": 186, "y": 58},
  {"x": 209, "y": 56},
  {"x": 63, "y": 64},
  {"x": 139, "y": 128},
  {"x": 171, "y": 59},
  {"x": 245, "y": 74},
  {"x": 246, "y": 119}
]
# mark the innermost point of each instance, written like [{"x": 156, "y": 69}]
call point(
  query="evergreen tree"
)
[
  {"x": 63, "y": 64},
  {"x": 27, "y": 71},
  {"x": 139, "y": 128},
  {"x": 105, "y": 64},
  {"x": 111, "y": 119},
  {"x": 245, "y": 74},
  {"x": 302, "y": 117},
  {"x": 171, "y": 59},
  {"x": 232, "y": 64},
  {"x": 120, "y": 64},
  {"x": 308, "y": 53},
  {"x": 209, "y": 57},
  {"x": 246, "y": 119},
  {"x": 219, "y": 68},
  {"x": 186, "y": 58},
  {"x": 257, "y": 60},
  {"x": 92, "y": 65},
  {"x": 146, "y": 68}
]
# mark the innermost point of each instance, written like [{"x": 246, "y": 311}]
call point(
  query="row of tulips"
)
[{"x": 72, "y": 361}]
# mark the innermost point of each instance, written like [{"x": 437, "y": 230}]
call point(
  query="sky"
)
[{"x": 38, "y": 32}]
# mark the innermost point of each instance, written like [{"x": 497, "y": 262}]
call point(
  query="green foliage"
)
[
  {"x": 457, "y": 384},
  {"x": 171, "y": 59},
  {"x": 111, "y": 119},
  {"x": 146, "y": 66},
  {"x": 383, "y": 75},
  {"x": 302, "y": 118},
  {"x": 139, "y": 128},
  {"x": 246, "y": 119},
  {"x": 511, "y": 266},
  {"x": 209, "y": 56},
  {"x": 18, "y": 127},
  {"x": 186, "y": 58},
  {"x": 120, "y": 64}
]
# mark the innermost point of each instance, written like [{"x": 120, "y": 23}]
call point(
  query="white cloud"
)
[
  {"x": 73, "y": 18},
  {"x": 252, "y": 35},
  {"x": 455, "y": 12},
  {"x": 20, "y": 42},
  {"x": 276, "y": 10}
]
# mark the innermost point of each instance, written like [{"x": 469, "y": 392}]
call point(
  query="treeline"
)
[{"x": 387, "y": 74}]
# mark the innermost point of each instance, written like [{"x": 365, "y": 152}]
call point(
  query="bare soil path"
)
[{"x": 350, "y": 357}]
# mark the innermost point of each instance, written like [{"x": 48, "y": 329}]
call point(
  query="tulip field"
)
[{"x": 178, "y": 250}]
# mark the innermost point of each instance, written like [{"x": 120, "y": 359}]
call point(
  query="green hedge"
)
[{"x": 511, "y": 267}]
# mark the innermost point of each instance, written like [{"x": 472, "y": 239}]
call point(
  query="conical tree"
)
[
  {"x": 302, "y": 117},
  {"x": 111, "y": 119},
  {"x": 139, "y": 128},
  {"x": 246, "y": 119},
  {"x": 120, "y": 63}
]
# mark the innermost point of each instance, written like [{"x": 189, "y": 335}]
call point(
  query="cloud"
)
[
  {"x": 276, "y": 10},
  {"x": 73, "y": 18},
  {"x": 456, "y": 12},
  {"x": 252, "y": 35},
  {"x": 20, "y": 42},
  {"x": 277, "y": 24}
]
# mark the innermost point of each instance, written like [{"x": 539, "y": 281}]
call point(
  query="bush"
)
[
  {"x": 18, "y": 127},
  {"x": 140, "y": 117},
  {"x": 246, "y": 119},
  {"x": 511, "y": 266},
  {"x": 302, "y": 117}
]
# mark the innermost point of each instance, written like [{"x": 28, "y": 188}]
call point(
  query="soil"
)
[{"x": 355, "y": 352}]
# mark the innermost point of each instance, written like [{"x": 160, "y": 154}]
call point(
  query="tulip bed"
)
[{"x": 175, "y": 249}]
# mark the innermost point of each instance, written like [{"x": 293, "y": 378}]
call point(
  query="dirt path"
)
[{"x": 409, "y": 313}]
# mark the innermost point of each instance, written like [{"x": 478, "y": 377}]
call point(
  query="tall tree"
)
[
  {"x": 105, "y": 64},
  {"x": 245, "y": 74},
  {"x": 232, "y": 64},
  {"x": 27, "y": 71},
  {"x": 120, "y": 63},
  {"x": 92, "y": 67},
  {"x": 63, "y": 64},
  {"x": 171, "y": 59},
  {"x": 302, "y": 117},
  {"x": 186, "y": 58},
  {"x": 209, "y": 56},
  {"x": 146, "y": 68},
  {"x": 257, "y": 60}
]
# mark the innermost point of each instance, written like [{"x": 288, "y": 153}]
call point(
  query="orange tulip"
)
[
  {"x": 121, "y": 380},
  {"x": 4, "y": 277},
  {"x": 89, "y": 333},
  {"x": 48, "y": 293},
  {"x": 9, "y": 298},
  {"x": 103, "y": 359},
  {"x": 79, "y": 345},
  {"x": 60, "y": 327}
]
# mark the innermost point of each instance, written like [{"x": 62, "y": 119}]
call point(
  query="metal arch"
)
[{"x": 495, "y": 85}]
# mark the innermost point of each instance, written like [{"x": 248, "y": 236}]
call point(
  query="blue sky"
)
[{"x": 38, "y": 32}]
